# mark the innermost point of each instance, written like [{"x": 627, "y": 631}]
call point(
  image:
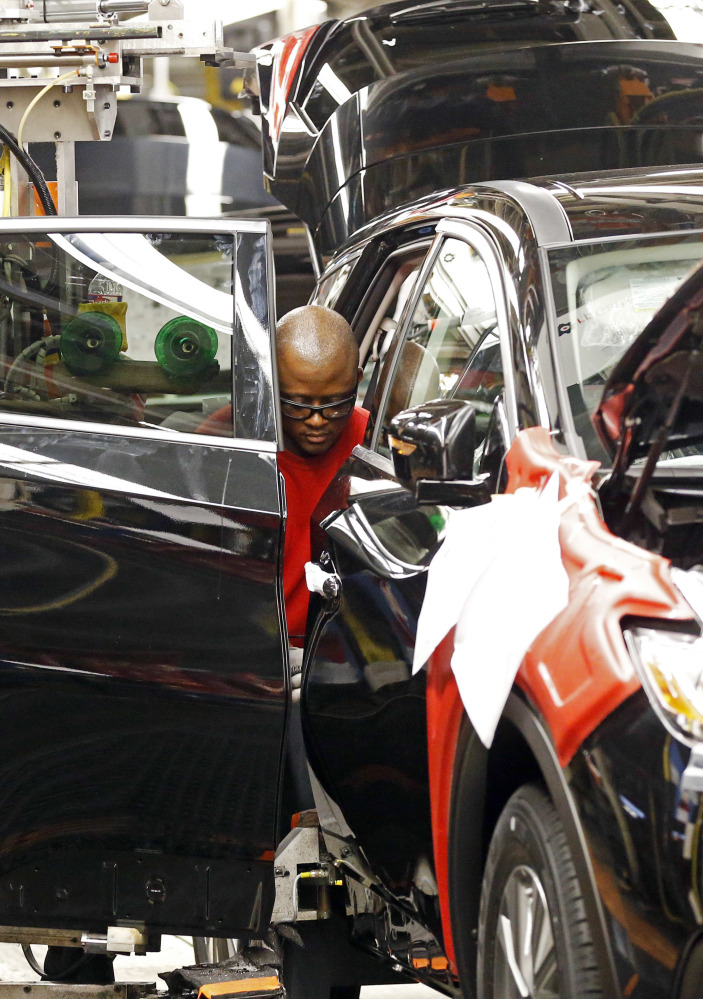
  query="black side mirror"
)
[{"x": 433, "y": 453}]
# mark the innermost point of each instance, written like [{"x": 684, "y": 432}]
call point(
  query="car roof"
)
[{"x": 571, "y": 207}]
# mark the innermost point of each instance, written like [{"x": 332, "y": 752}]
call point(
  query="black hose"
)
[
  {"x": 33, "y": 171},
  {"x": 36, "y": 967}
]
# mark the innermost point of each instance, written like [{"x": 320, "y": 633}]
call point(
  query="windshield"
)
[{"x": 605, "y": 294}]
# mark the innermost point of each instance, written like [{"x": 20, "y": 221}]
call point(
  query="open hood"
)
[{"x": 657, "y": 386}]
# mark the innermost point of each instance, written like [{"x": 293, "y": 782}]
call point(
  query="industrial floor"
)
[{"x": 175, "y": 952}]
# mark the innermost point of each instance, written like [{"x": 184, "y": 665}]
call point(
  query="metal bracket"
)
[
  {"x": 165, "y": 10},
  {"x": 298, "y": 860}
]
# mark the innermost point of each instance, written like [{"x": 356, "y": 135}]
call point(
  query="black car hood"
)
[{"x": 659, "y": 378}]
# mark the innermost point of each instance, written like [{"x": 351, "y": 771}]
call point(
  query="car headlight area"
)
[{"x": 670, "y": 666}]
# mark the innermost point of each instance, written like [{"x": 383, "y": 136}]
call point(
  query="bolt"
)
[
  {"x": 345, "y": 851},
  {"x": 107, "y": 133},
  {"x": 57, "y": 135},
  {"x": 106, "y": 106},
  {"x": 10, "y": 104},
  {"x": 57, "y": 104},
  {"x": 27, "y": 988}
]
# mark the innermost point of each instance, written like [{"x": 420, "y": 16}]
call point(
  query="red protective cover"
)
[{"x": 578, "y": 670}]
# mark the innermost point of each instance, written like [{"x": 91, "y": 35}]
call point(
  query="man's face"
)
[{"x": 314, "y": 385}]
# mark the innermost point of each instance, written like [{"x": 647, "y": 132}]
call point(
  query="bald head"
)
[
  {"x": 318, "y": 365},
  {"x": 316, "y": 337}
]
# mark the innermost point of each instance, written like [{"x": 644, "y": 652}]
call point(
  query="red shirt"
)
[{"x": 306, "y": 480}]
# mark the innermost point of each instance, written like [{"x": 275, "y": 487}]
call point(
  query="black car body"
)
[
  {"x": 568, "y": 262},
  {"x": 367, "y": 113},
  {"x": 143, "y": 623},
  {"x": 143, "y": 641},
  {"x": 129, "y": 547}
]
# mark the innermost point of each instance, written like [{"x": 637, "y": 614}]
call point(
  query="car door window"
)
[
  {"x": 136, "y": 330},
  {"x": 399, "y": 281},
  {"x": 450, "y": 346}
]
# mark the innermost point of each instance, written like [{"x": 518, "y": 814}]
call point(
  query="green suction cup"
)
[
  {"x": 90, "y": 343},
  {"x": 185, "y": 348}
]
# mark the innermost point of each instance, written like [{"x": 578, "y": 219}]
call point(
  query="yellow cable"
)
[
  {"x": 38, "y": 97},
  {"x": 7, "y": 180}
]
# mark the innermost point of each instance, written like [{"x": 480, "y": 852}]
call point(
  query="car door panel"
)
[
  {"x": 142, "y": 690},
  {"x": 366, "y": 723},
  {"x": 364, "y": 711}
]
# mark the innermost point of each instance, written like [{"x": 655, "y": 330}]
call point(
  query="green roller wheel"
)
[
  {"x": 90, "y": 343},
  {"x": 185, "y": 348}
]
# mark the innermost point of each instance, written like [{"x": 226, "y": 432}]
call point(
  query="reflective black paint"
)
[
  {"x": 487, "y": 114},
  {"x": 644, "y": 837},
  {"x": 141, "y": 689},
  {"x": 364, "y": 712}
]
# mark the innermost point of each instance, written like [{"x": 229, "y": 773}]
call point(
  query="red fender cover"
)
[{"x": 578, "y": 670}]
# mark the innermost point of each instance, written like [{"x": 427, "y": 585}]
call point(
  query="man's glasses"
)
[{"x": 332, "y": 411}]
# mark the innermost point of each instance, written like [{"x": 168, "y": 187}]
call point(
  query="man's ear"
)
[{"x": 359, "y": 374}]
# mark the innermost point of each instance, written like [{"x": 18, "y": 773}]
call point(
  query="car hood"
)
[{"x": 657, "y": 386}]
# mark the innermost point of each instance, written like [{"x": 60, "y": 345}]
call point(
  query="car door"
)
[
  {"x": 142, "y": 690},
  {"x": 364, "y": 711}
]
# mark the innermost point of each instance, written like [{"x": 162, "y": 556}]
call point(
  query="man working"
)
[{"x": 318, "y": 373}]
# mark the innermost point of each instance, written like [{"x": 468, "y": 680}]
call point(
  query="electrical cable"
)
[
  {"x": 31, "y": 960},
  {"x": 36, "y": 967},
  {"x": 33, "y": 171},
  {"x": 37, "y": 97}
]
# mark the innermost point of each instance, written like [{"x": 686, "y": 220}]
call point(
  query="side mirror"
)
[{"x": 433, "y": 453}]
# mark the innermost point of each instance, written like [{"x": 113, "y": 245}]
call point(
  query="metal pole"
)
[{"x": 66, "y": 177}]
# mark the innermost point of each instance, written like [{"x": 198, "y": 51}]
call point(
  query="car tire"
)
[{"x": 533, "y": 929}]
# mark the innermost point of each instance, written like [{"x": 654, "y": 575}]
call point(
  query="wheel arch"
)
[{"x": 483, "y": 781}]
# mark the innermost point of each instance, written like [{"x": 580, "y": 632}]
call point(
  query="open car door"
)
[{"x": 142, "y": 689}]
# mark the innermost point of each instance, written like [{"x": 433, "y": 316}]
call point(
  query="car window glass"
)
[
  {"x": 331, "y": 287},
  {"x": 449, "y": 347},
  {"x": 132, "y": 330},
  {"x": 375, "y": 347},
  {"x": 605, "y": 294}
]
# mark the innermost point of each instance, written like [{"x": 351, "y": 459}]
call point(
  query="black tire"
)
[{"x": 530, "y": 872}]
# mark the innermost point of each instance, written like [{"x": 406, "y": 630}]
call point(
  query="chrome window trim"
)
[
  {"x": 484, "y": 245},
  {"x": 573, "y": 440},
  {"x": 377, "y": 461},
  {"x": 271, "y": 291},
  {"x": 327, "y": 272},
  {"x": 402, "y": 323},
  {"x": 623, "y": 237},
  {"x": 129, "y": 223},
  {"x": 125, "y": 223},
  {"x": 9, "y": 420}
]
